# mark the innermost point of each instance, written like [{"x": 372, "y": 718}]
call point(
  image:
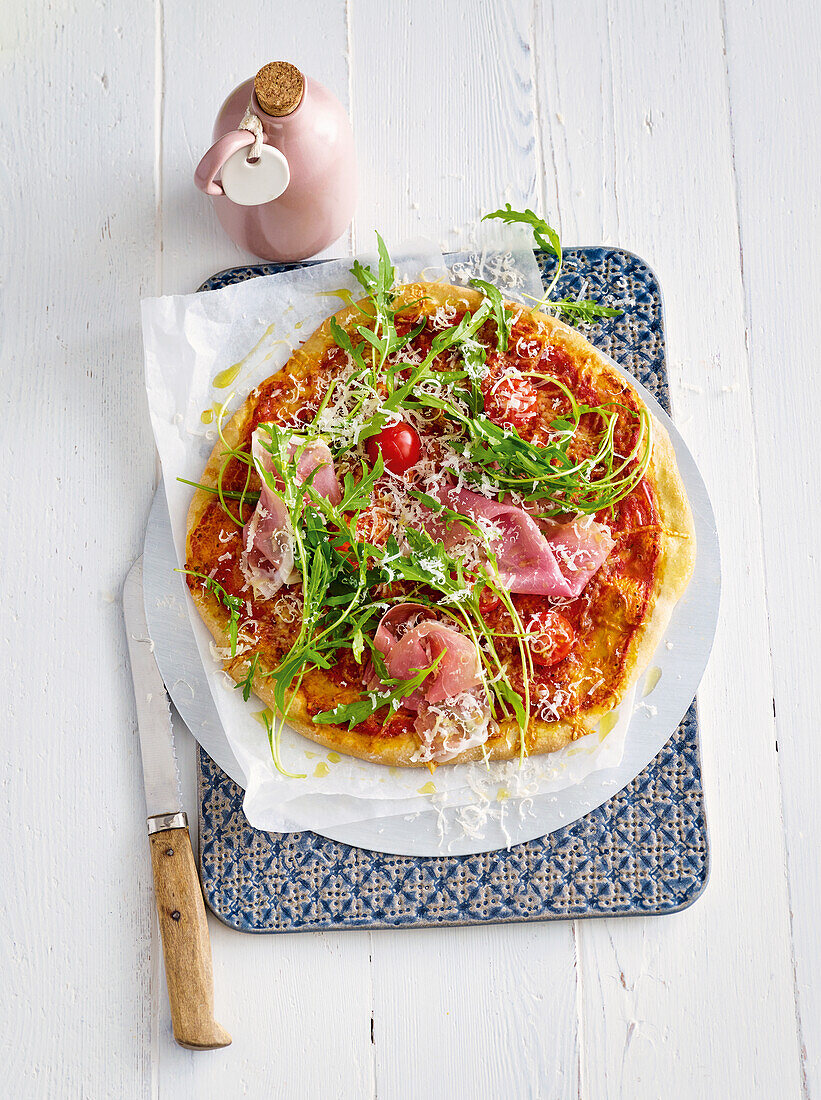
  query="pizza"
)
[{"x": 446, "y": 530}]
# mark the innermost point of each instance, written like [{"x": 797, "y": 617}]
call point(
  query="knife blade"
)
[
  {"x": 161, "y": 777},
  {"x": 180, "y": 906}
]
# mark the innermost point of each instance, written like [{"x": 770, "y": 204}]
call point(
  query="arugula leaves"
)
[
  {"x": 378, "y": 341},
  {"x": 430, "y": 565},
  {"x": 335, "y": 584},
  {"x": 360, "y": 709},
  {"x": 500, "y": 311},
  {"x": 229, "y": 494},
  {"x": 247, "y": 684},
  {"x": 273, "y": 728},
  {"x": 234, "y": 604},
  {"x": 585, "y": 310},
  {"x": 549, "y": 473},
  {"x": 545, "y": 236},
  {"x": 369, "y": 345}
]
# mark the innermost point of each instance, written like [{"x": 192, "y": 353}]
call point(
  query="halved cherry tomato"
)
[
  {"x": 551, "y": 637},
  {"x": 400, "y": 446},
  {"x": 488, "y": 600},
  {"x": 509, "y": 400}
]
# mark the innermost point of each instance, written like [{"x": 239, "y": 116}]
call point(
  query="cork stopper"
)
[{"x": 279, "y": 87}]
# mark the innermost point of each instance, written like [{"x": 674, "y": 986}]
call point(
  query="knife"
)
[{"x": 183, "y": 925}]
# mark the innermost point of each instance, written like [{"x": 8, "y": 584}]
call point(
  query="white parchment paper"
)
[{"x": 206, "y": 350}]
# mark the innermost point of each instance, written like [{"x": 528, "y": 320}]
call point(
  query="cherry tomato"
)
[
  {"x": 488, "y": 600},
  {"x": 400, "y": 446},
  {"x": 509, "y": 400},
  {"x": 551, "y": 637}
]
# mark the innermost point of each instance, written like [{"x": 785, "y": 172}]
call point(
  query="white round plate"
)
[{"x": 681, "y": 657}]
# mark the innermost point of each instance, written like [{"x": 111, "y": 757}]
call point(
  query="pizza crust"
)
[{"x": 674, "y": 565}]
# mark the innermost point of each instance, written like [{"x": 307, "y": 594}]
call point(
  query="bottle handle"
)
[{"x": 211, "y": 164}]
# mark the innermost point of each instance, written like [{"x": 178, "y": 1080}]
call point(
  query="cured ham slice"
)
[
  {"x": 558, "y": 561},
  {"x": 581, "y": 548},
  {"x": 451, "y": 714},
  {"x": 267, "y": 558},
  {"x": 317, "y": 456},
  {"x": 410, "y": 639}
]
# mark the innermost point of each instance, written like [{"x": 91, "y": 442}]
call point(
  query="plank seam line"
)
[
  {"x": 802, "y": 1054},
  {"x": 352, "y": 240},
  {"x": 159, "y": 106},
  {"x": 609, "y": 17},
  {"x": 374, "y": 1092},
  {"x": 159, "y": 103},
  {"x": 562, "y": 131},
  {"x": 537, "y": 115},
  {"x": 577, "y": 963},
  {"x": 156, "y": 971},
  {"x": 349, "y": 51}
]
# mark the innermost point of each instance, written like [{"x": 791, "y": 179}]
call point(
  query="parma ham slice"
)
[
  {"x": 452, "y": 712},
  {"x": 410, "y": 638},
  {"x": 267, "y": 559},
  {"x": 558, "y": 561}
]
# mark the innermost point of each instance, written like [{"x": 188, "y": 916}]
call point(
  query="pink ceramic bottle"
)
[{"x": 306, "y": 159}]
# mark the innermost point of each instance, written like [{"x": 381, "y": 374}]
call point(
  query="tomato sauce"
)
[{"x": 611, "y": 606}]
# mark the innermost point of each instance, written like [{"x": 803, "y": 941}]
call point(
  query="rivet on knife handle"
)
[{"x": 184, "y": 931}]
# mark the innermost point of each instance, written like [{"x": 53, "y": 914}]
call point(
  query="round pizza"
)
[{"x": 446, "y": 530}]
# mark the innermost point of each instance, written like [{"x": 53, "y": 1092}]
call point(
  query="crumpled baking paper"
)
[{"x": 206, "y": 350}]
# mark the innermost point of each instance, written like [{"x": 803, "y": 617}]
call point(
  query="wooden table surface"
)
[{"x": 687, "y": 132}]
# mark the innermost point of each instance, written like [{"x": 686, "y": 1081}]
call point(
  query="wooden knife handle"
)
[{"x": 185, "y": 942}]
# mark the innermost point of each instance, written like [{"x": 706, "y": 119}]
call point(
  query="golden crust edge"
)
[
  {"x": 398, "y": 750},
  {"x": 677, "y": 554}
]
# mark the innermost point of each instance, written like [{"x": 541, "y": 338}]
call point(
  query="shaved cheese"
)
[
  {"x": 288, "y": 606},
  {"x": 452, "y": 727},
  {"x": 499, "y": 268},
  {"x": 527, "y": 348},
  {"x": 443, "y": 317},
  {"x": 550, "y": 702}
]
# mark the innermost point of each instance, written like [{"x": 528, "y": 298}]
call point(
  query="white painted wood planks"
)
[{"x": 686, "y": 131}]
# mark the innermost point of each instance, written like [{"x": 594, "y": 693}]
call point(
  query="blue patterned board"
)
[{"x": 645, "y": 851}]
